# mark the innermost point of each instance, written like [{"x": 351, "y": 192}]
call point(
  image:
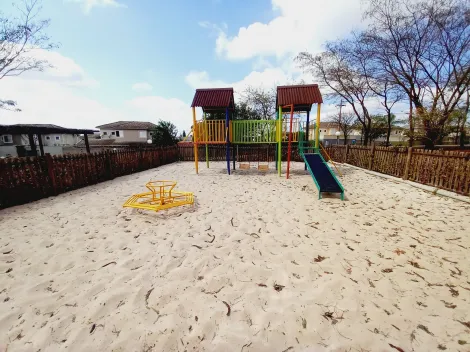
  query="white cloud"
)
[
  {"x": 59, "y": 96},
  {"x": 142, "y": 87},
  {"x": 267, "y": 78},
  {"x": 88, "y": 5},
  {"x": 54, "y": 95},
  {"x": 201, "y": 79},
  {"x": 272, "y": 77},
  {"x": 154, "y": 108},
  {"x": 49, "y": 101},
  {"x": 300, "y": 25},
  {"x": 64, "y": 70}
]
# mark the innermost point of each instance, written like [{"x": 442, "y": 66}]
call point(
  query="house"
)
[
  {"x": 328, "y": 135},
  {"x": 25, "y": 139},
  {"x": 124, "y": 132}
]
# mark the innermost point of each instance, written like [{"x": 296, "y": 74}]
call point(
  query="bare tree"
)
[
  {"x": 423, "y": 46},
  {"x": 346, "y": 123},
  {"x": 338, "y": 74},
  {"x": 261, "y": 101},
  {"x": 19, "y": 38}
]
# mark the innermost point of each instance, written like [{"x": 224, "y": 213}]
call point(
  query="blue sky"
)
[
  {"x": 158, "y": 42},
  {"x": 142, "y": 59}
]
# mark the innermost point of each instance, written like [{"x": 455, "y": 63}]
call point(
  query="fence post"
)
[
  {"x": 372, "y": 154},
  {"x": 346, "y": 156},
  {"x": 141, "y": 161},
  {"x": 50, "y": 171},
  {"x": 109, "y": 165},
  {"x": 408, "y": 162}
]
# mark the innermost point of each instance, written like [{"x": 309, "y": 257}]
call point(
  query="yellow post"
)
[
  {"x": 279, "y": 140},
  {"x": 207, "y": 138},
  {"x": 195, "y": 137},
  {"x": 317, "y": 129}
]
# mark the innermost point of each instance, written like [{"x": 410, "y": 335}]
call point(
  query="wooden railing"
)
[
  {"x": 211, "y": 131},
  {"x": 254, "y": 131},
  {"x": 296, "y": 127},
  {"x": 448, "y": 170},
  {"x": 246, "y": 131}
]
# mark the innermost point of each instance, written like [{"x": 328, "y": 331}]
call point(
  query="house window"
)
[
  {"x": 113, "y": 133},
  {"x": 57, "y": 138},
  {"x": 117, "y": 134},
  {"x": 48, "y": 138},
  {"x": 142, "y": 134},
  {"x": 7, "y": 138},
  {"x": 105, "y": 133}
]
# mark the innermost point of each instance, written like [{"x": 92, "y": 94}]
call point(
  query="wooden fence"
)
[
  {"x": 23, "y": 180},
  {"x": 443, "y": 169},
  {"x": 242, "y": 153}
]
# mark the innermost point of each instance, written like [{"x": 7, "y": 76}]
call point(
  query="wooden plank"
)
[
  {"x": 450, "y": 181},
  {"x": 51, "y": 174},
  {"x": 408, "y": 163}
]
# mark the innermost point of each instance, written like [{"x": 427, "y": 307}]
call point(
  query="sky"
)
[{"x": 143, "y": 59}]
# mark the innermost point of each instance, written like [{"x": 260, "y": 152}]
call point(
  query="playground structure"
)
[
  {"x": 290, "y": 100},
  {"x": 161, "y": 196}
]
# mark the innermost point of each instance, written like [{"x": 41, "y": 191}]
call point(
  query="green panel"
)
[{"x": 254, "y": 131}]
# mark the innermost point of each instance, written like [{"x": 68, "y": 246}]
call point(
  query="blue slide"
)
[{"x": 324, "y": 178}]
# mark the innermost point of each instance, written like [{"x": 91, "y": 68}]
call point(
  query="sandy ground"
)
[{"x": 387, "y": 267}]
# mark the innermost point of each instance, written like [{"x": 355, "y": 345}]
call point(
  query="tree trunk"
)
[
  {"x": 430, "y": 137},
  {"x": 411, "y": 136},
  {"x": 458, "y": 131},
  {"x": 463, "y": 134},
  {"x": 367, "y": 131},
  {"x": 389, "y": 128},
  {"x": 366, "y": 137}
]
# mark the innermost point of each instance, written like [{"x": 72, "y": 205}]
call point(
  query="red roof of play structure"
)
[
  {"x": 213, "y": 98},
  {"x": 307, "y": 94}
]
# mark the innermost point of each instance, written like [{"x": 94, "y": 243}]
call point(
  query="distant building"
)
[
  {"x": 328, "y": 135},
  {"x": 124, "y": 132},
  {"x": 15, "y": 140}
]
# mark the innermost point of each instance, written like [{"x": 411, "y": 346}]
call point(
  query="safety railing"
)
[
  {"x": 296, "y": 127},
  {"x": 211, "y": 131},
  {"x": 254, "y": 131}
]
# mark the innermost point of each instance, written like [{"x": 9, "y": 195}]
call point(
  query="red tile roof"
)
[
  {"x": 128, "y": 125},
  {"x": 214, "y": 98},
  {"x": 300, "y": 95}
]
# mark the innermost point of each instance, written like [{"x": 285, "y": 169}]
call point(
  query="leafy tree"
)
[
  {"x": 164, "y": 134},
  {"x": 379, "y": 127},
  {"x": 244, "y": 112}
]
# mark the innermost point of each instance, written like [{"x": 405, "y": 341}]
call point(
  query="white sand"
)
[{"x": 161, "y": 293}]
